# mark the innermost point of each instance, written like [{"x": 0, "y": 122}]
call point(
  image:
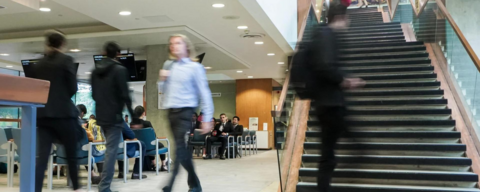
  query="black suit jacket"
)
[
  {"x": 226, "y": 129},
  {"x": 195, "y": 126},
  {"x": 59, "y": 69},
  {"x": 236, "y": 131}
]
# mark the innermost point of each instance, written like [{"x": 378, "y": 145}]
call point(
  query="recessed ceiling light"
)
[
  {"x": 250, "y": 77},
  {"x": 281, "y": 63},
  {"x": 45, "y": 9},
  {"x": 242, "y": 27},
  {"x": 239, "y": 71},
  {"x": 131, "y": 87},
  {"x": 271, "y": 54},
  {"x": 318, "y": 11},
  {"x": 218, "y": 5},
  {"x": 75, "y": 50},
  {"x": 316, "y": 5},
  {"x": 9, "y": 66},
  {"x": 4, "y": 54},
  {"x": 125, "y": 13},
  {"x": 258, "y": 42},
  {"x": 208, "y": 67},
  {"x": 88, "y": 73}
]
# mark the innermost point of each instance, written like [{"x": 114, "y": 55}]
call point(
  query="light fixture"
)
[
  {"x": 242, "y": 27},
  {"x": 316, "y": 5},
  {"x": 75, "y": 50},
  {"x": 131, "y": 87},
  {"x": 88, "y": 73},
  {"x": 4, "y": 54},
  {"x": 281, "y": 63},
  {"x": 258, "y": 42},
  {"x": 318, "y": 11},
  {"x": 218, "y": 5},
  {"x": 239, "y": 71},
  {"x": 125, "y": 13},
  {"x": 9, "y": 66},
  {"x": 45, "y": 9},
  {"x": 271, "y": 54},
  {"x": 250, "y": 77},
  {"x": 208, "y": 67}
]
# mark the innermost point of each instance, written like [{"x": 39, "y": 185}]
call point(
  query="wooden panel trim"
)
[
  {"x": 392, "y": 13},
  {"x": 459, "y": 113},
  {"x": 23, "y": 89}
]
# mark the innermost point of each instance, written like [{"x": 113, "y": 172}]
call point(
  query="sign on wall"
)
[
  {"x": 253, "y": 123},
  {"x": 216, "y": 94}
]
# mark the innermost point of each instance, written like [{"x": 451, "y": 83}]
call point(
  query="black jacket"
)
[
  {"x": 110, "y": 92},
  {"x": 59, "y": 69},
  {"x": 226, "y": 129},
  {"x": 236, "y": 131},
  {"x": 194, "y": 126},
  {"x": 324, "y": 54}
]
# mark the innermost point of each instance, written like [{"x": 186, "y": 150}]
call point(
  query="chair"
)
[
  {"x": 84, "y": 157},
  {"x": 253, "y": 143},
  {"x": 147, "y": 135},
  {"x": 233, "y": 145},
  {"x": 198, "y": 140},
  {"x": 7, "y": 156},
  {"x": 121, "y": 156},
  {"x": 244, "y": 141}
]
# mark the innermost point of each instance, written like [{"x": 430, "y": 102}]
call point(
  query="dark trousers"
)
[
  {"x": 332, "y": 123},
  {"x": 211, "y": 140},
  {"x": 112, "y": 135},
  {"x": 180, "y": 123},
  {"x": 52, "y": 130},
  {"x": 136, "y": 167}
]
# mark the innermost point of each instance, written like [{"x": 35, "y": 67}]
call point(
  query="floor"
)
[{"x": 255, "y": 173}]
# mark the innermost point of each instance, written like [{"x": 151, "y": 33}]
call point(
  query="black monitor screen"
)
[
  {"x": 141, "y": 66},
  {"x": 127, "y": 60},
  {"x": 28, "y": 66}
]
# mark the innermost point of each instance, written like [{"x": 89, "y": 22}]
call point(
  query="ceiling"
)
[{"x": 150, "y": 23}]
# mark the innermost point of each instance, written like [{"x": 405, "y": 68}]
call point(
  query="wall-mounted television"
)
[
  {"x": 126, "y": 60},
  {"x": 29, "y": 63}
]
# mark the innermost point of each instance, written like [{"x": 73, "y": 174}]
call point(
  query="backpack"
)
[
  {"x": 302, "y": 79},
  {"x": 97, "y": 132}
]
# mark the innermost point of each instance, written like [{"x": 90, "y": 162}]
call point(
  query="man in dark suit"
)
[
  {"x": 195, "y": 123},
  {"x": 220, "y": 134},
  {"x": 237, "y": 130}
]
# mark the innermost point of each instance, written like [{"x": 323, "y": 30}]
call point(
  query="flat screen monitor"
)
[
  {"x": 28, "y": 66},
  {"x": 141, "y": 66},
  {"x": 126, "y": 60}
]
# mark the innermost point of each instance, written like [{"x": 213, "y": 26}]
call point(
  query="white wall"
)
[
  {"x": 283, "y": 14},
  {"x": 466, "y": 15}
]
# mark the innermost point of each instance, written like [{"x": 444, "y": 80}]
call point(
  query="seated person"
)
[
  {"x": 219, "y": 133},
  {"x": 129, "y": 135},
  {"x": 214, "y": 122},
  {"x": 237, "y": 130},
  {"x": 195, "y": 123},
  {"x": 149, "y": 163},
  {"x": 98, "y": 150}
]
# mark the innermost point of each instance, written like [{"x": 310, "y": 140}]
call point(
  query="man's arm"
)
[
  {"x": 206, "y": 102},
  {"x": 238, "y": 130},
  {"x": 127, "y": 132},
  {"x": 70, "y": 76}
]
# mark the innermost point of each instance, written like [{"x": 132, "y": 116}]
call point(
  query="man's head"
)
[
  {"x": 139, "y": 111},
  {"x": 236, "y": 119},
  {"x": 223, "y": 117},
  {"x": 111, "y": 49},
  {"x": 92, "y": 116},
  {"x": 82, "y": 109},
  {"x": 194, "y": 116},
  {"x": 337, "y": 17}
]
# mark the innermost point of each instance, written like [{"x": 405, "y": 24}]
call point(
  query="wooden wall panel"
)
[
  {"x": 254, "y": 99},
  {"x": 22, "y": 89},
  {"x": 303, "y": 7}
]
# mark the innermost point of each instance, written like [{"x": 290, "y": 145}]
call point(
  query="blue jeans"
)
[
  {"x": 112, "y": 135},
  {"x": 136, "y": 167}
]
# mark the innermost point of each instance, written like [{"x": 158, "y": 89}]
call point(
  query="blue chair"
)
[
  {"x": 84, "y": 157},
  {"x": 232, "y": 144},
  {"x": 244, "y": 141},
  {"x": 147, "y": 135},
  {"x": 7, "y": 156},
  {"x": 253, "y": 143},
  {"x": 198, "y": 140},
  {"x": 121, "y": 156}
]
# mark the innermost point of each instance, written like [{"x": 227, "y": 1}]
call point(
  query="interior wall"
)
[
  {"x": 254, "y": 99},
  {"x": 466, "y": 15},
  {"x": 226, "y": 103}
]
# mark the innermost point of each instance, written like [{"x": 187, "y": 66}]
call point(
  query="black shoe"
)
[
  {"x": 120, "y": 175},
  {"x": 207, "y": 157},
  {"x": 222, "y": 157},
  {"x": 163, "y": 168},
  {"x": 167, "y": 189},
  {"x": 196, "y": 189},
  {"x": 96, "y": 179},
  {"x": 137, "y": 176}
]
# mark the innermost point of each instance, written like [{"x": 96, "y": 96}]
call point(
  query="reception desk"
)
[{"x": 29, "y": 94}]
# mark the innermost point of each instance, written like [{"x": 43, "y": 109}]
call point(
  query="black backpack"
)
[{"x": 302, "y": 78}]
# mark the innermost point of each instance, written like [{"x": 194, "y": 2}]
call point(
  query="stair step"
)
[
  {"x": 383, "y": 49},
  {"x": 375, "y": 25},
  {"x": 396, "y": 134},
  {"x": 346, "y": 187},
  {"x": 398, "y": 160},
  {"x": 389, "y": 69},
  {"x": 378, "y": 45},
  {"x": 436, "y": 147},
  {"x": 397, "y": 66},
  {"x": 412, "y": 84},
  {"x": 358, "y": 123},
  {"x": 393, "y": 93},
  {"x": 378, "y": 30},
  {"x": 354, "y": 39},
  {"x": 399, "y": 76},
  {"x": 389, "y": 61},
  {"x": 396, "y": 112},
  {"x": 397, "y": 102},
  {"x": 384, "y": 55},
  {"x": 416, "y": 177}
]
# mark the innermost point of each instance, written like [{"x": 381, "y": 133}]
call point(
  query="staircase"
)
[{"x": 402, "y": 136}]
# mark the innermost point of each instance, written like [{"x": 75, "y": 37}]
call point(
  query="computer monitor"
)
[
  {"x": 126, "y": 60},
  {"x": 29, "y": 63}
]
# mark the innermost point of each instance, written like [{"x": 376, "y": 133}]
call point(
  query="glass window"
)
[{"x": 9, "y": 112}]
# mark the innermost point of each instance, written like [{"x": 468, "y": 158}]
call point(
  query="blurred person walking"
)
[
  {"x": 316, "y": 76},
  {"x": 58, "y": 120},
  {"x": 183, "y": 83},
  {"x": 111, "y": 95}
]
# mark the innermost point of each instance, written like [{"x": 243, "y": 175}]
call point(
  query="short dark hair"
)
[
  {"x": 223, "y": 114},
  {"x": 336, "y": 10},
  {"x": 55, "y": 38},
  {"x": 238, "y": 118},
  {"x": 195, "y": 113},
  {"x": 82, "y": 108},
  {"x": 112, "y": 49},
  {"x": 139, "y": 110}
]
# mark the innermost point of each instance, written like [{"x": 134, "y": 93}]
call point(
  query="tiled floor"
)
[{"x": 256, "y": 173}]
